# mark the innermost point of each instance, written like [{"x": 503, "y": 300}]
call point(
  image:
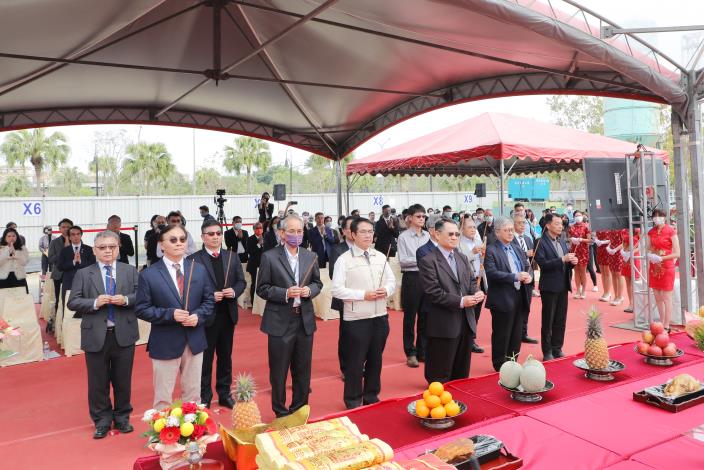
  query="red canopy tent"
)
[{"x": 483, "y": 144}]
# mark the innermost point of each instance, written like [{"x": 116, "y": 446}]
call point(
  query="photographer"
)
[{"x": 265, "y": 208}]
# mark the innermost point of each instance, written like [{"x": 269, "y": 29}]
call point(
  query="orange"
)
[
  {"x": 438, "y": 412},
  {"x": 452, "y": 408},
  {"x": 421, "y": 409},
  {"x": 445, "y": 397},
  {"x": 432, "y": 401},
  {"x": 436, "y": 388},
  {"x": 426, "y": 394}
]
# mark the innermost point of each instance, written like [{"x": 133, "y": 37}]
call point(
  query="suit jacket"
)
[
  {"x": 157, "y": 297},
  {"x": 321, "y": 246},
  {"x": 424, "y": 250},
  {"x": 555, "y": 274},
  {"x": 126, "y": 248},
  {"x": 487, "y": 233},
  {"x": 386, "y": 236},
  {"x": 235, "y": 279},
  {"x": 232, "y": 243},
  {"x": 88, "y": 284},
  {"x": 442, "y": 294},
  {"x": 270, "y": 240},
  {"x": 274, "y": 278},
  {"x": 66, "y": 262},
  {"x": 336, "y": 252},
  {"x": 55, "y": 247},
  {"x": 255, "y": 254},
  {"x": 501, "y": 292}
]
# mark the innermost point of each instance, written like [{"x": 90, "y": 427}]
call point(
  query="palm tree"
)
[
  {"x": 148, "y": 163},
  {"x": 248, "y": 153},
  {"x": 41, "y": 150}
]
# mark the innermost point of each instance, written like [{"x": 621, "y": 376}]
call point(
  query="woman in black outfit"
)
[
  {"x": 255, "y": 247},
  {"x": 266, "y": 208}
]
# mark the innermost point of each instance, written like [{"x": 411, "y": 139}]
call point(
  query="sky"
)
[{"x": 205, "y": 145}]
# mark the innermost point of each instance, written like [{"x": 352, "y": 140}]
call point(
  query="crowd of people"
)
[{"x": 452, "y": 263}]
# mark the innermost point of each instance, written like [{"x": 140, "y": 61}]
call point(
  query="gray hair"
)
[
  {"x": 501, "y": 221},
  {"x": 432, "y": 219},
  {"x": 107, "y": 234},
  {"x": 289, "y": 217},
  {"x": 519, "y": 218}
]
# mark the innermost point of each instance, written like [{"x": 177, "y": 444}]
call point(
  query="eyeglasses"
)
[
  {"x": 178, "y": 239},
  {"x": 106, "y": 247},
  {"x": 365, "y": 232},
  {"x": 453, "y": 234},
  {"x": 212, "y": 234}
]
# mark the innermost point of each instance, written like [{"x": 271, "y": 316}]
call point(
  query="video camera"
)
[{"x": 220, "y": 201}]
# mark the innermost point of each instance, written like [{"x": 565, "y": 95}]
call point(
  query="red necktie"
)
[
  {"x": 215, "y": 255},
  {"x": 179, "y": 278}
]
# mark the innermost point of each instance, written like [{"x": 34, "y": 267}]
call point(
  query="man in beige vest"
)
[{"x": 363, "y": 280}]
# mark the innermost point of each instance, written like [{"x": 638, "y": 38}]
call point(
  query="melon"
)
[
  {"x": 510, "y": 373},
  {"x": 531, "y": 361},
  {"x": 533, "y": 378}
]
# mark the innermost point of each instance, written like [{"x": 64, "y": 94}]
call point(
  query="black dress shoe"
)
[
  {"x": 227, "y": 402},
  {"x": 207, "y": 404},
  {"x": 548, "y": 357},
  {"x": 558, "y": 354},
  {"x": 420, "y": 358},
  {"x": 124, "y": 427},
  {"x": 101, "y": 432},
  {"x": 477, "y": 349},
  {"x": 529, "y": 340}
]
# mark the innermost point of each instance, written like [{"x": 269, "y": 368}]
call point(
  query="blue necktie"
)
[
  {"x": 110, "y": 290},
  {"x": 515, "y": 262}
]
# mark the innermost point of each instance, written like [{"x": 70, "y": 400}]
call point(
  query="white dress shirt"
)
[
  {"x": 172, "y": 271},
  {"x": 293, "y": 262}
]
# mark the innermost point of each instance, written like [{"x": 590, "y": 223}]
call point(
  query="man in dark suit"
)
[
  {"x": 433, "y": 242},
  {"x": 226, "y": 275},
  {"x": 321, "y": 239},
  {"x": 288, "y": 279},
  {"x": 556, "y": 264},
  {"x": 126, "y": 246},
  {"x": 449, "y": 290},
  {"x": 236, "y": 239},
  {"x": 272, "y": 235},
  {"x": 255, "y": 248},
  {"x": 73, "y": 257},
  {"x": 524, "y": 241},
  {"x": 337, "y": 304},
  {"x": 55, "y": 247},
  {"x": 104, "y": 294},
  {"x": 386, "y": 231},
  {"x": 508, "y": 274},
  {"x": 176, "y": 296}
]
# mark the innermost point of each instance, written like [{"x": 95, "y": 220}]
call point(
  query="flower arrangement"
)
[
  {"x": 6, "y": 330},
  {"x": 174, "y": 428}
]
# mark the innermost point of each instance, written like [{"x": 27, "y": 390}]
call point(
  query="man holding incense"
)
[
  {"x": 175, "y": 295},
  {"x": 225, "y": 273},
  {"x": 288, "y": 279},
  {"x": 363, "y": 280}
]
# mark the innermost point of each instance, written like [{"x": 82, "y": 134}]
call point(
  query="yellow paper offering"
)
[
  {"x": 365, "y": 454},
  {"x": 279, "y": 453}
]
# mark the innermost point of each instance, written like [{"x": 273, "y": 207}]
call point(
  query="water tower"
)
[{"x": 634, "y": 121}]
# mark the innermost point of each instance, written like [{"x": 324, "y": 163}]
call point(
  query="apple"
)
[
  {"x": 656, "y": 327},
  {"x": 654, "y": 350},
  {"x": 648, "y": 337},
  {"x": 662, "y": 340},
  {"x": 643, "y": 347},
  {"x": 669, "y": 350}
]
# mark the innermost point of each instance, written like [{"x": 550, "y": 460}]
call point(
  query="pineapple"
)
[
  {"x": 596, "y": 351},
  {"x": 245, "y": 413}
]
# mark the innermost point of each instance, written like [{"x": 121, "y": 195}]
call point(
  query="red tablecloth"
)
[
  {"x": 612, "y": 420},
  {"x": 683, "y": 452},
  {"x": 539, "y": 445}
]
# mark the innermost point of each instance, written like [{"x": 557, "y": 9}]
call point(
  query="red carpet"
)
[{"x": 45, "y": 418}]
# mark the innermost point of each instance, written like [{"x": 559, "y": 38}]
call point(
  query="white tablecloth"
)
[{"x": 17, "y": 308}]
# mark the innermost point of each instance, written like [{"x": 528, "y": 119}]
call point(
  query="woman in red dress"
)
[
  {"x": 628, "y": 250},
  {"x": 663, "y": 250},
  {"x": 601, "y": 240},
  {"x": 580, "y": 238},
  {"x": 615, "y": 264}
]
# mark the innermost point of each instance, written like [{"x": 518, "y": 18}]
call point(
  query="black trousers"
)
[
  {"x": 449, "y": 358},
  {"x": 526, "y": 313},
  {"x": 506, "y": 332},
  {"x": 413, "y": 332},
  {"x": 590, "y": 265},
  {"x": 220, "y": 336},
  {"x": 552, "y": 331},
  {"x": 253, "y": 288},
  {"x": 363, "y": 343},
  {"x": 294, "y": 351},
  {"x": 45, "y": 264},
  {"x": 112, "y": 365}
]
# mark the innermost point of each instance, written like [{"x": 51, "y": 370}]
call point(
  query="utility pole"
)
[{"x": 95, "y": 160}]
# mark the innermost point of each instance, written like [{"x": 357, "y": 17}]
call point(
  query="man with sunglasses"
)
[
  {"x": 104, "y": 295},
  {"x": 226, "y": 275},
  {"x": 449, "y": 293}
]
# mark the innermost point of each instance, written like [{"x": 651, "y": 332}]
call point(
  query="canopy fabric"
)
[
  {"x": 323, "y": 76},
  {"x": 473, "y": 146}
]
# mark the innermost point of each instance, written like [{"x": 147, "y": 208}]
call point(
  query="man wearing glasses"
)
[
  {"x": 226, "y": 275},
  {"x": 104, "y": 294},
  {"x": 449, "y": 293},
  {"x": 288, "y": 279}
]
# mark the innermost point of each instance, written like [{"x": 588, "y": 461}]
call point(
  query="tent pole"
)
[
  {"x": 501, "y": 186},
  {"x": 338, "y": 181},
  {"x": 696, "y": 162},
  {"x": 682, "y": 204}
]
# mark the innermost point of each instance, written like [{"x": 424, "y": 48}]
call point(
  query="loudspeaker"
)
[
  {"x": 480, "y": 190},
  {"x": 279, "y": 192}
]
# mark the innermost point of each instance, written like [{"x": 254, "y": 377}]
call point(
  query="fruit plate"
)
[
  {"x": 603, "y": 375},
  {"x": 436, "y": 423},
  {"x": 489, "y": 453},
  {"x": 659, "y": 360},
  {"x": 656, "y": 397},
  {"x": 519, "y": 394}
]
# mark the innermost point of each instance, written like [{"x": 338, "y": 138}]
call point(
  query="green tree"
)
[
  {"x": 68, "y": 181},
  {"x": 208, "y": 180},
  {"x": 110, "y": 148},
  {"x": 108, "y": 173},
  {"x": 15, "y": 186},
  {"x": 147, "y": 164},
  {"x": 585, "y": 113},
  {"x": 247, "y": 154},
  {"x": 40, "y": 149}
]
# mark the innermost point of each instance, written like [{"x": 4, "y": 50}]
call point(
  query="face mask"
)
[
  {"x": 456, "y": 218},
  {"x": 569, "y": 208},
  {"x": 281, "y": 215},
  {"x": 294, "y": 240},
  {"x": 659, "y": 221},
  {"x": 578, "y": 219},
  {"x": 258, "y": 231},
  {"x": 328, "y": 224},
  {"x": 238, "y": 226},
  {"x": 489, "y": 219}
]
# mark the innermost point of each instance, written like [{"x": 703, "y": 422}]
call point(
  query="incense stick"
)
[
  {"x": 308, "y": 271},
  {"x": 535, "y": 250},
  {"x": 386, "y": 261},
  {"x": 229, "y": 258},
  {"x": 188, "y": 288}
]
